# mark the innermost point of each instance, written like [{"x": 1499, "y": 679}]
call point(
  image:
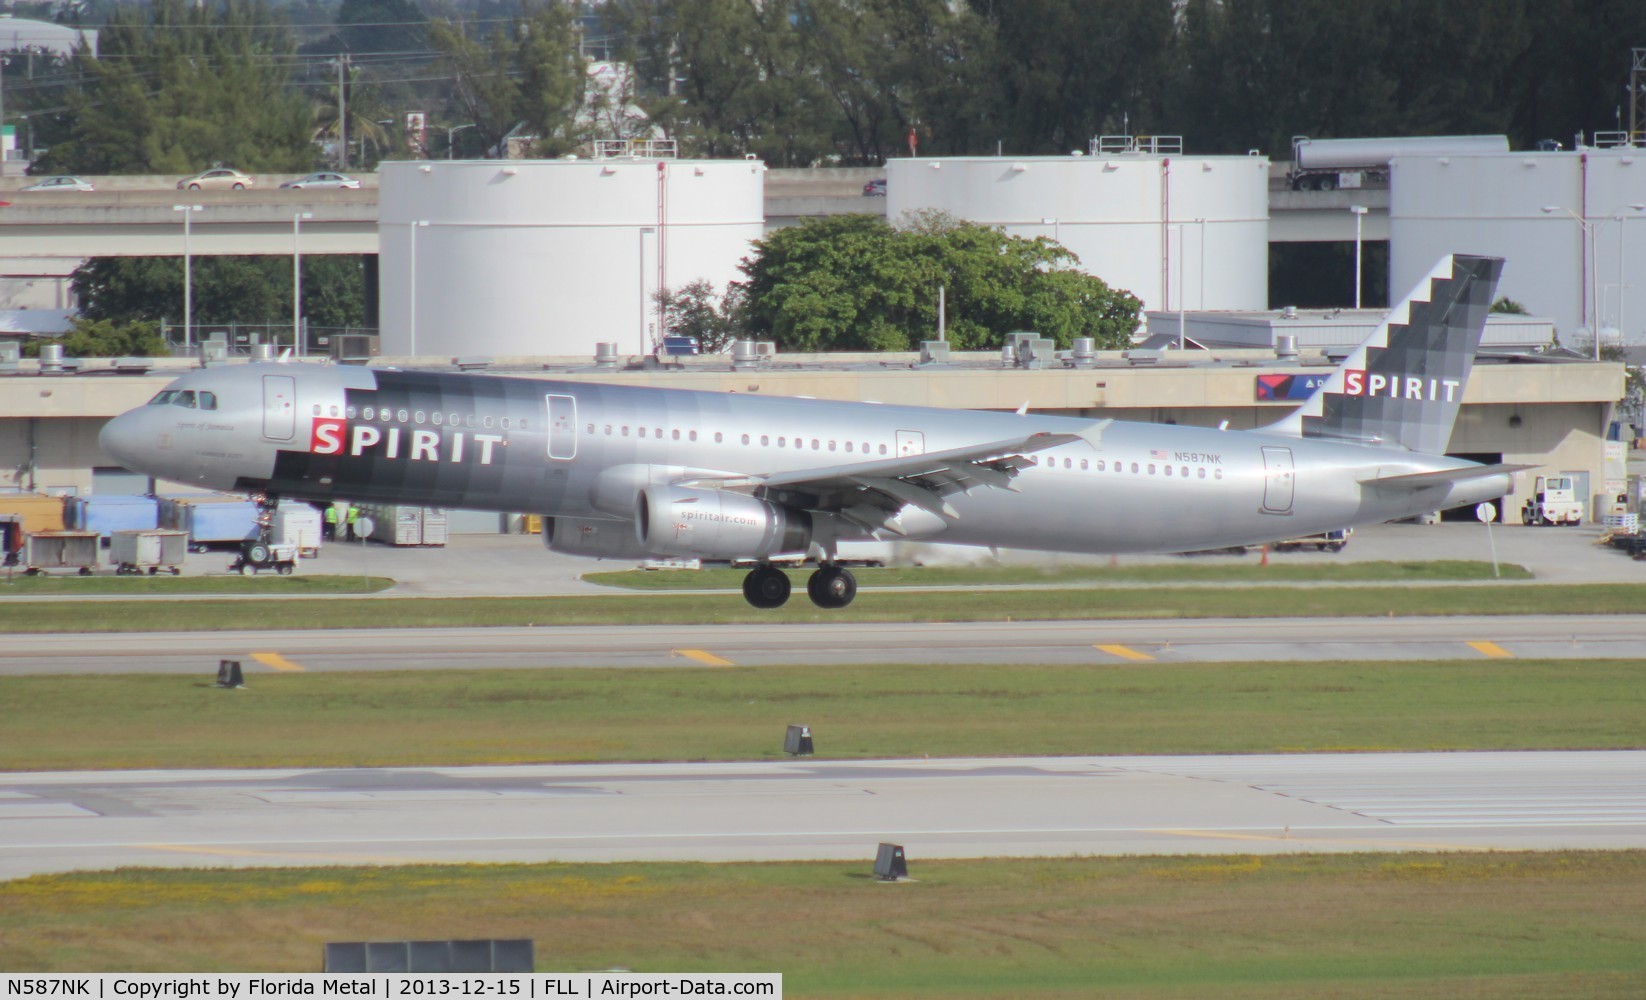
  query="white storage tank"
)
[
  {"x": 1571, "y": 227},
  {"x": 1188, "y": 232},
  {"x": 549, "y": 257}
]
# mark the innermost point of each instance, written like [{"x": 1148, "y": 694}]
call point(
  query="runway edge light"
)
[
  {"x": 890, "y": 864},
  {"x": 797, "y": 742},
  {"x": 229, "y": 675}
]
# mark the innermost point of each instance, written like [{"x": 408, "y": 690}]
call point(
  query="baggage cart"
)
[
  {"x": 43, "y": 550},
  {"x": 296, "y": 523},
  {"x": 133, "y": 552}
]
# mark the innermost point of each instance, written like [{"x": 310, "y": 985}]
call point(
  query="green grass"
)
[
  {"x": 1288, "y": 927},
  {"x": 1186, "y": 571},
  {"x": 19, "y": 585},
  {"x": 739, "y": 713},
  {"x": 881, "y": 606}
]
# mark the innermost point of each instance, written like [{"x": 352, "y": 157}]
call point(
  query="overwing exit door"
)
[{"x": 1279, "y": 480}]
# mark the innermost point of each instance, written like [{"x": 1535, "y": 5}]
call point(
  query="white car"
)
[
  {"x": 60, "y": 184},
  {"x": 324, "y": 179}
]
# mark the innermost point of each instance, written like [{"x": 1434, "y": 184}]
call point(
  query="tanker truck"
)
[{"x": 1328, "y": 164}]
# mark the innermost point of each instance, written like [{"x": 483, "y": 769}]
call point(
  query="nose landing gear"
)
[{"x": 830, "y": 587}]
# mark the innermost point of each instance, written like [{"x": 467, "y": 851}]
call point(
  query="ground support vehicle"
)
[
  {"x": 255, "y": 557},
  {"x": 1553, "y": 501},
  {"x": 133, "y": 552},
  {"x": 43, "y": 550},
  {"x": 1325, "y": 541}
]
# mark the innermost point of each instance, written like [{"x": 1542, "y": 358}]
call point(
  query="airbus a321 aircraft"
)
[{"x": 623, "y": 472}]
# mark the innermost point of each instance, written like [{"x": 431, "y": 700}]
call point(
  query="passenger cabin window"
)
[
  {"x": 717, "y": 437},
  {"x": 370, "y": 412}
]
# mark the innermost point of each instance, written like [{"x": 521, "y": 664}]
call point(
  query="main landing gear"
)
[{"x": 829, "y": 587}]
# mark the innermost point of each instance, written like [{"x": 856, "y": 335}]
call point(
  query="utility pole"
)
[{"x": 342, "y": 113}]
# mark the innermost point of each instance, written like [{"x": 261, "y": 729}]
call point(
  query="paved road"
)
[
  {"x": 807, "y": 809},
  {"x": 1172, "y": 641}
]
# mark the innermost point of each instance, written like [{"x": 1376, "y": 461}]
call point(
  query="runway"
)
[
  {"x": 838, "y": 810},
  {"x": 1074, "y": 642}
]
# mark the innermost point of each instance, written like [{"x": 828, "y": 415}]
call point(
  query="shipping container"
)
[
  {"x": 299, "y": 525},
  {"x": 213, "y": 519},
  {"x": 108, "y": 513},
  {"x": 37, "y": 511},
  {"x": 401, "y": 524}
]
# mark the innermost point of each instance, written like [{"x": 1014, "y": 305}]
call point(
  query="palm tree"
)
[{"x": 365, "y": 118}]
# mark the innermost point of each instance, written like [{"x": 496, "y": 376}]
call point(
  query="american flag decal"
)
[{"x": 1158, "y": 454}]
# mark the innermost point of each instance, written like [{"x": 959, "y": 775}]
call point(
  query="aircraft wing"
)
[
  {"x": 1445, "y": 477},
  {"x": 871, "y": 493}
]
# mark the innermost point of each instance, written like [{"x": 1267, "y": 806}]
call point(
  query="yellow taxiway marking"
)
[
  {"x": 1124, "y": 652},
  {"x": 1491, "y": 649},
  {"x": 240, "y": 852},
  {"x": 704, "y": 657},
  {"x": 276, "y": 661},
  {"x": 1361, "y": 841}
]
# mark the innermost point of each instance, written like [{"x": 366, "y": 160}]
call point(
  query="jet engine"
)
[
  {"x": 714, "y": 524},
  {"x": 597, "y": 539}
]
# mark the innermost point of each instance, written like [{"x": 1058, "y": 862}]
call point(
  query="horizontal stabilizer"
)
[{"x": 1445, "y": 477}]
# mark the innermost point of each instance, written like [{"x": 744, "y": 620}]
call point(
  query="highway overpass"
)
[{"x": 136, "y": 216}]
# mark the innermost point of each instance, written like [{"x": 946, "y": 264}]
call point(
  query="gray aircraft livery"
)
[{"x": 625, "y": 472}]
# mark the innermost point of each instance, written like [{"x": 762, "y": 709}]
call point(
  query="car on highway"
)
[
  {"x": 218, "y": 179},
  {"x": 59, "y": 184},
  {"x": 324, "y": 180},
  {"x": 875, "y": 188}
]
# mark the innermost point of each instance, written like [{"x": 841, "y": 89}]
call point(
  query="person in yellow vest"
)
[
  {"x": 328, "y": 529},
  {"x": 354, "y": 515}
]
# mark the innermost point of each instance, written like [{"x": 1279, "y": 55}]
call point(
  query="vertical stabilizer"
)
[{"x": 1402, "y": 387}]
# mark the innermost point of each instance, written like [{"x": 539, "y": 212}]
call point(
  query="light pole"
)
[
  {"x": 1182, "y": 232},
  {"x": 1359, "y": 213},
  {"x": 411, "y": 287},
  {"x": 451, "y": 132},
  {"x": 299, "y": 343},
  {"x": 188, "y": 277},
  {"x": 1591, "y": 312},
  {"x": 1055, "y": 233},
  {"x": 1200, "y": 300}
]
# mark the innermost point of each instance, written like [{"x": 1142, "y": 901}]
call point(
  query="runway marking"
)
[
  {"x": 1417, "y": 845},
  {"x": 704, "y": 657},
  {"x": 235, "y": 852},
  {"x": 1491, "y": 649},
  {"x": 1124, "y": 652},
  {"x": 276, "y": 661}
]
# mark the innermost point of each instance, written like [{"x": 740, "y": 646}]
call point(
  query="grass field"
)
[
  {"x": 889, "y": 605},
  {"x": 738, "y": 713},
  {"x": 1186, "y": 571},
  {"x": 1284, "y": 927},
  {"x": 18, "y": 585}
]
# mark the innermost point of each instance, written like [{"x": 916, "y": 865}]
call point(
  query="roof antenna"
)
[{"x": 285, "y": 357}]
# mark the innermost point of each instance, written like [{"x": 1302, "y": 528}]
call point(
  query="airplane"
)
[{"x": 628, "y": 472}]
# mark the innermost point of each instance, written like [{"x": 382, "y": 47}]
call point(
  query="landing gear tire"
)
[
  {"x": 257, "y": 552},
  {"x": 766, "y": 587},
  {"x": 831, "y": 587}
]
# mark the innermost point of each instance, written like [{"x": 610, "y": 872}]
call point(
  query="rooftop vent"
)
[
  {"x": 605, "y": 354},
  {"x": 1285, "y": 345}
]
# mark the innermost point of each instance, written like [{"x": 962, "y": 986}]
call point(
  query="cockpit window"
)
[
  {"x": 185, "y": 397},
  {"x": 163, "y": 398},
  {"x": 208, "y": 400}
]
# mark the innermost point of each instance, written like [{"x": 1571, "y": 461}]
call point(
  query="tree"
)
[
  {"x": 693, "y": 311},
  {"x": 176, "y": 88},
  {"x": 528, "y": 74},
  {"x": 225, "y": 289},
  {"x": 101, "y": 338},
  {"x": 856, "y": 283}
]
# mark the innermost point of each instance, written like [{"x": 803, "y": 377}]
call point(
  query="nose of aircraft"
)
[{"x": 121, "y": 439}]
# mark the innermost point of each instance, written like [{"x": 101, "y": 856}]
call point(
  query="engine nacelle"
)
[
  {"x": 713, "y": 524},
  {"x": 596, "y": 539}
]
